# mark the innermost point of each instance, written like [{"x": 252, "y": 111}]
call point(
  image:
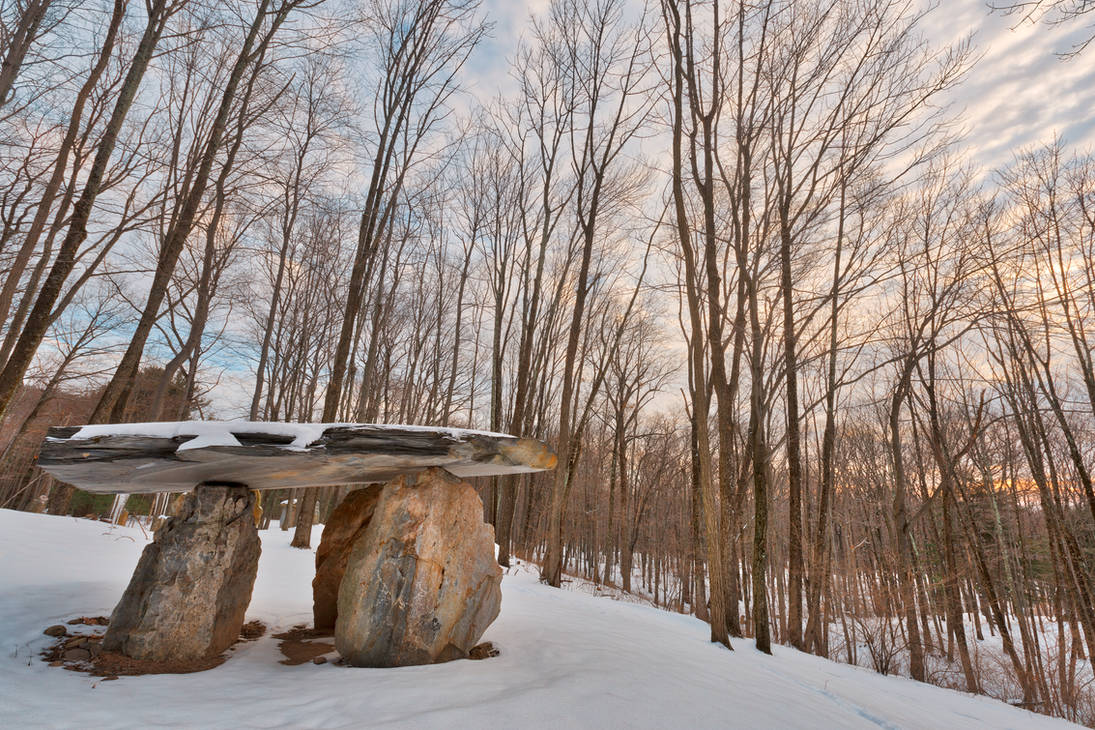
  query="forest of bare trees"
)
[{"x": 811, "y": 375}]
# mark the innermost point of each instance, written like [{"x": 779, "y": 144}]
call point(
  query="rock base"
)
[
  {"x": 421, "y": 584},
  {"x": 345, "y": 525},
  {"x": 187, "y": 597}
]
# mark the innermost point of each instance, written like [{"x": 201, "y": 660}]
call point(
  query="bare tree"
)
[{"x": 159, "y": 12}]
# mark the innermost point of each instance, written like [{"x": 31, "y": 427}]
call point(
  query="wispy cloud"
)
[{"x": 1020, "y": 92}]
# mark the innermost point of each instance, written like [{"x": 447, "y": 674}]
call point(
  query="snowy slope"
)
[{"x": 568, "y": 660}]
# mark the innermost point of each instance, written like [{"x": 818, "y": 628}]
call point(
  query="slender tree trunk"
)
[
  {"x": 700, "y": 404},
  {"x": 906, "y": 576},
  {"x": 41, "y": 316},
  {"x": 794, "y": 449},
  {"x": 26, "y": 32},
  {"x": 49, "y": 193}
]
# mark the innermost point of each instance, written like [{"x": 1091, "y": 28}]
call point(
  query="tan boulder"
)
[
  {"x": 348, "y": 520},
  {"x": 421, "y": 583}
]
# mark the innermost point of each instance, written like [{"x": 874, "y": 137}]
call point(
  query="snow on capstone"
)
[
  {"x": 177, "y": 456},
  {"x": 221, "y": 433}
]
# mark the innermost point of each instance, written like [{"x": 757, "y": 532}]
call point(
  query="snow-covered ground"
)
[{"x": 568, "y": 660}]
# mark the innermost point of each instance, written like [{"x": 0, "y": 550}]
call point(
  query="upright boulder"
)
[
  {"x": 346, "y": 523},
  {"x": 421, "y": 584},
  {"x": 187, "y": 597}
]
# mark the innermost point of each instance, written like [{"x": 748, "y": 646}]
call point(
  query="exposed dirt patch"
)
[
  {"x": 486, "y": 650},
  {"x": 89, "y": 621},
  {"x": 252, "y": 630},
  {"x": 108, "y": 664},
  {"x": 301, "y": 644},
  {"x": 83, "y": 652}
]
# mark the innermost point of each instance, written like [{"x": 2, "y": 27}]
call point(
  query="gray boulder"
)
[{"x": 187, "y": 597}]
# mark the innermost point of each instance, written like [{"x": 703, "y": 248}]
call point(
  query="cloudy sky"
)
[{"x": 1019, "y": 93}]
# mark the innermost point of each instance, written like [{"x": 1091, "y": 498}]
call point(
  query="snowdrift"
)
[{"x": 567, "y": 660}]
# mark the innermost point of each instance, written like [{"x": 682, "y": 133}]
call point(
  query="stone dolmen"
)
[{"x": 405, "y": 570}]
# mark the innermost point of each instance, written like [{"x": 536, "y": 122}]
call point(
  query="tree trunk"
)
[{"x": 41, "y": 315}]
